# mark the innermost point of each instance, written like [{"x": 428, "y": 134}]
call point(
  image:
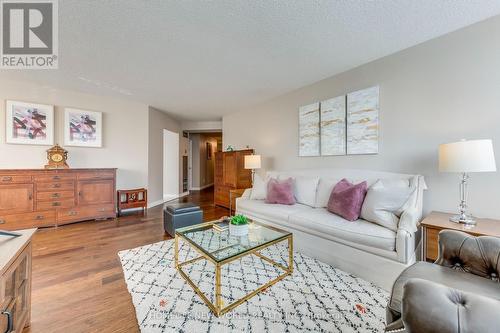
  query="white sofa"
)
[{"x": 363, "y": 248}]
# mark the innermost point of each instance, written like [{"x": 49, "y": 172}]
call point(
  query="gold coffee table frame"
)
[{"x": 218, "y": 308}]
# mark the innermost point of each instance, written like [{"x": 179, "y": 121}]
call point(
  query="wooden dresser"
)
[
  {"x": 437, "y": 221},
  {"x": 15, "y": 280},
  {"x": 41, "y": 198},
  {"x": 230, "y": 174}
]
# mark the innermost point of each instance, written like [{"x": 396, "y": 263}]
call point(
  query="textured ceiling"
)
[{"x": 202, "y": 59}]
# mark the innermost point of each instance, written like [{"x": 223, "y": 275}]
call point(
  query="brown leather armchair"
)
[{"x": 460, "y": 292}]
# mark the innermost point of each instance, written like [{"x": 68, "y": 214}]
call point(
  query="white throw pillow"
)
[
  {"x": 259, "y": 189},
  {"x": 386, "y": 200},
  {"x": 325, "y": 188},
  {"x": 305, "y": 190}
]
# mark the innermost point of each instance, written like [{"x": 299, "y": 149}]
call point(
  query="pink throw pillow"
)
[
  {"x": 280, "y": 192},
  {"x": 347, "y": 199}
]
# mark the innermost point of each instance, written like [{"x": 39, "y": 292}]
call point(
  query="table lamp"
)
[
  {"x": 466, "y": 157},
  {"x": 252, "y": 162}
]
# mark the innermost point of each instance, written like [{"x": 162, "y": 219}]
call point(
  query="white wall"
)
[
  {"x": 170, "y": 165},
  {"x": 159, "y": 121},
  {"x": 202, "y": 126},
  {"x": 124, "y": 133},
  {"x": 439, "y": 91}
]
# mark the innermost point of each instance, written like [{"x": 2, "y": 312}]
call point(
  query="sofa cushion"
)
[
  {"x": 444, "y": 275},
  {"x": 280, "y": 192},
  {"x": 259, "y": 189},
  {"x": 385, "y": 201},
  {"x": 331, "y": 225},
  {"x": 347, "y": 199},
  {"x": 325, "y": 188},
  {"x": 272, "y": 212},
  {"x": 305, "y": 189}
]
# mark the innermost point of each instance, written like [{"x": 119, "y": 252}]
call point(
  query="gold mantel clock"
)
[{"x": 57, "y": 157}]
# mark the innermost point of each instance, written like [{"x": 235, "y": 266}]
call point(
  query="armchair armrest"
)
[
  {"x": 475, "y": 255},
  {"x": 432, "y": 307}
]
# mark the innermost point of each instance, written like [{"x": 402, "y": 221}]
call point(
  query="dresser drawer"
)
[
  {"x": 85, "y": 213},
  {"x": 96, "y": 175},
  {"x": 55, "y": 195},
  {"x": 53, "y": 178},
  {"x": 56, "y": 204},
  {"x": 57, "y": 186},
  {"x": 14, "y": 179},
  {"x": 28, "y": 220}
]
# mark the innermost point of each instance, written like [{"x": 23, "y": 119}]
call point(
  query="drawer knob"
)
[
  {"x": 56, "y": 185},
  {"x": 72, "y": 213},
  {"x": 55, "y": 204},
  {"x": 2, "y": 221},
  {"x": 56, "y": 177},
  {"x": 56, "y": 195},
  {"x": 39, "y": 217},
  {"x": 6, "y": 179}
]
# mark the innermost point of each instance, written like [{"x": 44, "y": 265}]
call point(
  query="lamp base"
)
[{"x": 463, "y": 218}]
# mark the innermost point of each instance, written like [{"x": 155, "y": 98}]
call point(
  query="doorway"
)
[
  {"x": 202, "y": 149},
  {"x": 170, "y": 165}
]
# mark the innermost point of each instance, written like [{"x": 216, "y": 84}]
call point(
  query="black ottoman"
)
[{"x": 181, "y": 215}]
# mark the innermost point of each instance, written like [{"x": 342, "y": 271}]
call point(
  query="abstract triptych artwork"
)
[
  {"x": 309, "y": 130},
  {"x": 362, "y": 121},
  {"x": 340, "y": 125}
]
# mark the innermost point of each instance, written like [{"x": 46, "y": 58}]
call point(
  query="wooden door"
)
[
  {"x": 230, "y": 169},
  {"x": 91, "y": 192},
  {"x": 16, "y": 199}
]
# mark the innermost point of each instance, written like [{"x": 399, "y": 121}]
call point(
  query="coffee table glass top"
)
[{"x": 220, "y": 245}]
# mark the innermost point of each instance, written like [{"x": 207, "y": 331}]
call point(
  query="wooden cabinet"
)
[
  {"x": 40, "y": 198},
  {"x": 92, "y": 192},
  {"x": 15, "y": 280},
  {"x": 16, "y": 198},
  {"x": 230, "y": 174}
]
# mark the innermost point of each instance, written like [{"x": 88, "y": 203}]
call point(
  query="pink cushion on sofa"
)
[
  {"x": 280, "y": 192},
  {"x": 347, "y": 199}
]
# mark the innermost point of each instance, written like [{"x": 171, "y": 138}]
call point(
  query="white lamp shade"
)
[
  {"x": 467, "y": 156},
  {"x": 252, "y": 162}
]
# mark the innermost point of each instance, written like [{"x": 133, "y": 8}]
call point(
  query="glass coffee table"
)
[{"x": 221, "y": 248}]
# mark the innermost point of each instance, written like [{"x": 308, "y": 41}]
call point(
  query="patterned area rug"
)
[{"x": 316, "y": 298}]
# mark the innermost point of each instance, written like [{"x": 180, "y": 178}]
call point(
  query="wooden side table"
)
[
  {"x": 233, "y": 194},
  {"x": 137, "y": 198},
  {"x": 437, "y": 221}
]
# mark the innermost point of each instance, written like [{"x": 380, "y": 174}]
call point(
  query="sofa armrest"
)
[
  {"x": 432, "y": 307},
  {"x": 409, "y": 220},
  {"x": 475, "y": 255},
  {"x": 246, "y": 194}
]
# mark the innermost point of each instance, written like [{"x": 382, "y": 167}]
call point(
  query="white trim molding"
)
[{"x": 165, "y": 199}]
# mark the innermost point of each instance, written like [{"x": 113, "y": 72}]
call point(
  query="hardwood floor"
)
[{"x": 78, "y": 283}]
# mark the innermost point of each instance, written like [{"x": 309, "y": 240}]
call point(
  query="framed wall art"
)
[
  {"x": 28, "y": 123},
  {"x": 82, "y": 128}
]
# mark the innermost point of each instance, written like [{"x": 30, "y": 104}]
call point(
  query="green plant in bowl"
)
[{"x": 239, "y": 220}]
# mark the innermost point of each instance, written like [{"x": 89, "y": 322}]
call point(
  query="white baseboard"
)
[
  {"x": 155, "y": 203},
  {"x": 166, "y": 199},
  {"x": 201, "y": 188}
]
